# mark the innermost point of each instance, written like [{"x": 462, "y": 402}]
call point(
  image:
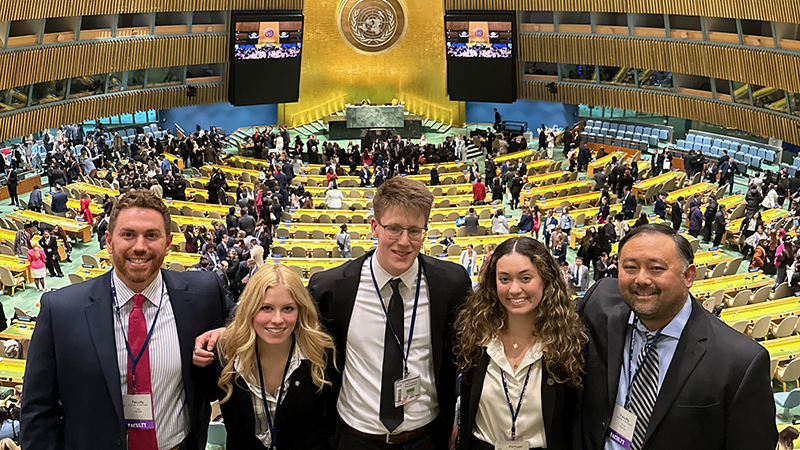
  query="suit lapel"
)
[
  {"x": 687, "y": 355},
  {"x": 437, "y": 289},
  {"x": 181, "y": 303},
  {"x": 100, "y": 321},
  {"x": 615, "y": 329},
  {"x": 344, "y": 301},
  {"x": 548, "y": 400}
]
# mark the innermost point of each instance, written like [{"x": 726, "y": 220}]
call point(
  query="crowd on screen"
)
[
  {"x": 479, "y": 51},
  {"x": 266, "y": 52}
]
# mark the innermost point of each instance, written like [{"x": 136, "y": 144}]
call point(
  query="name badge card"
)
[
  {"x": 511, "y": 445},
  {"x": 138, "y": 411},
  {"x": 623, "y": 422},
  {"x": 406, "y": 390}
]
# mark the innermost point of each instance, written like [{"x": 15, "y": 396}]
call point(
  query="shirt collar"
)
[
  {"x": 496, "y": 351},
  {"x": 675, "y": 327},
  {"x": 382, "y": 276},
  {"x": 125, "y": 294}
]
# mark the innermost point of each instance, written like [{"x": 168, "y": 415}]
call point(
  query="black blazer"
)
[
  {"x": 717, "y": 393},
  {"x": 303, "y": 422},
  {"x": 559, "y": 403},
  {"x": 72, "y": 393},
  {"x": 448, "y": 284}
]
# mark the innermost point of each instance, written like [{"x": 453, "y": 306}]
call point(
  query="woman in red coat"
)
[{"x": 85, "y": 211}]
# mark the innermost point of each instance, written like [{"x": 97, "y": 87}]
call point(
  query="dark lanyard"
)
[
  {"x": 407, "y": 352},
  {"x": 647, "y": 350},
  {"x": 135, "y": 361},
  {"x": 273, "y": 424},
  {"x": 515, "y": 414}
]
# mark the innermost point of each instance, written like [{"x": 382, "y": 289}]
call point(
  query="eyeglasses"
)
[{"x": 395, "y": 232}]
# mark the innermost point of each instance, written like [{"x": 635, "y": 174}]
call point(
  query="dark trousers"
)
[
  {"x": 514, "y": 200},
  {"x": 718, "y": 238},
  {"x": 347, "y": 441},
  {"x": 12, "y": 192},
  {"x": 53, "y": 267},
  {"x": 707, "y": 230}
]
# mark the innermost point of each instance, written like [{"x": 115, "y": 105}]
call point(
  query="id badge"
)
[
  {"x": 138, "y": 411},
  {"x": 406, "y": 390},
  {"x": 623, "y": 422},
  {"x": 511, "y": 445}
]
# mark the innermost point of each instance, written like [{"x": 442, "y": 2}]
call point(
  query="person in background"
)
[
  {"x": 36, "y": 259},
  {"x": 549, "y": 224},
  {"x": 471, "y": 222},
  {"x": 784, "y": 257},
  {"x": 719, "y": 225},
  {"x": 500, "y": 223},
  {"x": 50, "y": 246},
  {"x": 579, "y": 276},
  {"x": 12, "y": 183},
  {"x": 695, "y": 220},
  {"x": 85, "y": 211},
  {"x": 786, "y": 438},
  {"x": 525, "y": 223},
  {"x": 566, "y": 221},
  {"x": 520, "y": 354},
  {"x": 478, "y": 191},
  {"x": 273, "y": 359},
  {"x": 60, "y": 233},
  {"x": 660, "y": 207},
  {"x": 23, "y": 238},
  {"x": 468, "y": 260},
  {"x": 35, "y": 202},
  {"x": 642, "y": 220},
  {"x": 343, "y": 242}
]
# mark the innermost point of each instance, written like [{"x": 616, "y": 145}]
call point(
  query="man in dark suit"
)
[
  {"x": 661, "y": 372},
  {"x": 365, "y": 176},
  {"x": 660, "y": 207},
  {"x": 368, "y": 356},
  {"x": 80, "y": 380},
  {"x": 677, "y": 214},
  {"x": 628, "y": 203},
  {"x": 58, "y": 202}
]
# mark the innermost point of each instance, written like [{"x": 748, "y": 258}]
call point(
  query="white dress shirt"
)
[
  {"x": 166, "y": 378},
  {"x": 493, "y": 420},
  {"x": 359, "y": 400},
  {"x": 262, "y": 431}
]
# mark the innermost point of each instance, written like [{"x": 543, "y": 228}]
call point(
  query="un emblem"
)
[{"x": 372, "y": 26}]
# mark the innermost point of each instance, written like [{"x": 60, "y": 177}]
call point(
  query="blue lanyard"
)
[
  {"x": 413, "y": 314},
  {"x": 135, "y": 361},
  {"x": 515, "y": 414},
  {"x": 647, "y": 350},
  {"x": 273, "y": 424}
]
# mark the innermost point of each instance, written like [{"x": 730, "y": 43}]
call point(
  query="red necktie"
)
[{"x": 137, "y": 333}]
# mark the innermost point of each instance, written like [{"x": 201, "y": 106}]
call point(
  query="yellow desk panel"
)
[
  {"x": 768, "y": 216},
  {"x": 600, "y": 164},
  {"x": 554, "y": 203},
  {"x": 731, "y": 283},
  {"x": 18, "y": 330},
  {"x": 711, "y": 258},
  {"x": 184, "y": 259},
  {"x": 11, "y": 371},
  {"x": 538, "y": 192},
  {"x": 640, "y": 187},
  {"x": 778, "y": 309},
  {"x": 81, "y": 229},
  {"x": 514, "y": 156},
  {"x": 93, "y": 189}
]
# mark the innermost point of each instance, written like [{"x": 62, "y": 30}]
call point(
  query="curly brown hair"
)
[{"x": 556, "y": 323}]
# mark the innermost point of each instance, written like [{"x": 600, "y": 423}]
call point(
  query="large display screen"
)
[
  {"x": 481, "y": 56},
  {"x": 265, "y": 57}
]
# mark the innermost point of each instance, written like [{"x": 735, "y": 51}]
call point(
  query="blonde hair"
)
[
  {"x": 257, "y": 254},
  {"x": 555, "y": 324},
  {"x": 8, "y": 444},
  {"x": 238, "y": 341}
]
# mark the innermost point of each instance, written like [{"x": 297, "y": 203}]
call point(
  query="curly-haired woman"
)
[
  {"x": 273, "y": 356},
  {"x": 520, "y": 353}
]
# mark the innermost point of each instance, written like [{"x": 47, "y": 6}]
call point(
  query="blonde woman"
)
[
  {"x": 273, "y": 357},
  {"x": 520, "y": 353}
]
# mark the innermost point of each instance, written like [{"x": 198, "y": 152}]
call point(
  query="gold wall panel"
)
[
  {"x": 38, "y": 9},
  {"x": 35, "y": 119},
  {"x": 728, "y": 115},
  {"x": 747, "y": 65},
  {"x": 332, "y": 70},
  {"x": 778, "y": 11},
  {"x": 84, "y": 60}
]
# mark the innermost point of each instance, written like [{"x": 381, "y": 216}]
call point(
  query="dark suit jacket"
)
[
  {"x": 72, "y": 394},
  {"x": 303, "y": 422},
  {"x": 716, "y": 395},
  {"x": 559, "y": 402},
  {"x": 448, "y": 284}
]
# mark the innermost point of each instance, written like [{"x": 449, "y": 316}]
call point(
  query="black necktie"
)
[{"x": 392, "y": 417}]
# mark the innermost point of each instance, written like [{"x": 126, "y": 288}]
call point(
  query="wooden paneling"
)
[
  {"x": 37, "y": 9},
  {"x": 84, "y": 57},
  {"x": 76, "y": 111},
  {"x": 777, "y": 11},
  {"x": 748, "y": 65},
  {"x": 753, "y": 120}
]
